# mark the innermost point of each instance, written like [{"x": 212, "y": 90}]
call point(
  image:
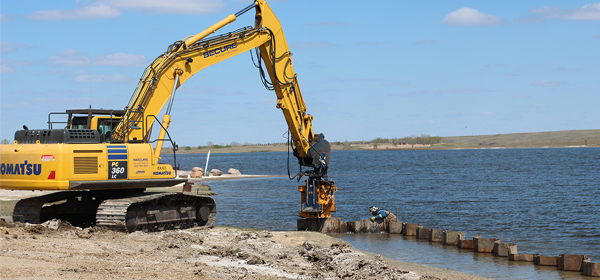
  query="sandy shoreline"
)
[{"x": 34, "y": 252}]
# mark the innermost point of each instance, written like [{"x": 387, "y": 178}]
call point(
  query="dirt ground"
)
[{"x": 57, "y": 250}]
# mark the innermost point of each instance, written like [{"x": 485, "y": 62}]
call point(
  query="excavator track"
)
[
  {"x": 77, "y": 207},
  {"x": 127, "y": 210},
  {"x": 29, "y": 210},
  {"x": 160, "y": 211}
]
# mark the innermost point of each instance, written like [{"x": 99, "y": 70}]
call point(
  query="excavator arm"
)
[{"x": 183, "y": 59}]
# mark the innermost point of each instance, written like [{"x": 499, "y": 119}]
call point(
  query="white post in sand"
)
[{"x": 206, "y": 166}]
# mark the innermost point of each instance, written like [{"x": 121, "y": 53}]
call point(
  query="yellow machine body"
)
[{"x": 67, "y": 166}]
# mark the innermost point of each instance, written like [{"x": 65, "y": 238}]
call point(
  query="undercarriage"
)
[{"x": 121, "y": 210}]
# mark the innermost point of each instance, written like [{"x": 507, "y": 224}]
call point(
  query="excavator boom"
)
[{"x": 183, "y": 59}]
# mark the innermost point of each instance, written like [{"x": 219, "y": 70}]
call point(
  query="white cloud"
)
[
  {"x": 6, "y": 65},
  {"x": 79, "y": 72},
  {"x": 469, "y": 16},
  {"x": 195, "y": 7},
  {"x": 89, "y": 12},
  {"x": 6, "y": 69},
  {"x": 6, "y": 46},
  {"x": 114, "y": 8},
  {"x": 10, "y": 62},
  {"x": 116, "y": 78},
  {"x": 50, "y": 72},
  {"x": 121, "y": 59},
  {"x": 71, "y": 57},
  {"x": 587, "y": 12},
  {"x": 5, "y": 17}
]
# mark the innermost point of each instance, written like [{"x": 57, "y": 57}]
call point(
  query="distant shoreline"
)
[
  {"x": 553, "y": 139},
  {"x": 359, "y": 148}
]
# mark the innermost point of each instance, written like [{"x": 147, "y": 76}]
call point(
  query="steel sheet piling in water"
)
[
  {"x": 504, "y": 249},
  {"x": 545, "y": 260},
  {"x": 410, "y": 229},
  {"x": 570, "y": 262},
  {"x": 465, "y": 244},
  {"x": 436, "y": 235},
  {"x": 423, "y": 233},
  {"x": 521, "y": 257},
  {"x": 484, "y": 245},
  {"x": 566, "y": 262},
  {"x": 452, "y": 237}
]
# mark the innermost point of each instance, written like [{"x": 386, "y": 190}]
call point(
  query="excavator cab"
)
[{"x": 101, "y": 120}]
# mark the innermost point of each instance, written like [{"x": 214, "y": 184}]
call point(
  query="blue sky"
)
[{"x": 366, "y": 69}]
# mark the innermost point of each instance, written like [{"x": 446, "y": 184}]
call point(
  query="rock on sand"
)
[
  {"x": 197, "y": 172},
  {"x": 234, "y": 171}
]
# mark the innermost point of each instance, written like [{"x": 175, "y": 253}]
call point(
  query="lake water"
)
[{"x": 547, "y": 201}]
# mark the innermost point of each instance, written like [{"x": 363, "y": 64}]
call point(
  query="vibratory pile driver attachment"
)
[{"x": 318, "y": 199}]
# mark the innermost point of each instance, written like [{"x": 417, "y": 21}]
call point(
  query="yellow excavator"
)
[{"x": 102, "y": 161}]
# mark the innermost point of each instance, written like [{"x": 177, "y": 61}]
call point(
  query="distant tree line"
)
[{"x": 424, "y": 139}]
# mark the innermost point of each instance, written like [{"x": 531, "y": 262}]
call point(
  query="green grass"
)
[
  {"x": 535, "y": 139},
  {"x": 221, "y": 147}
]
